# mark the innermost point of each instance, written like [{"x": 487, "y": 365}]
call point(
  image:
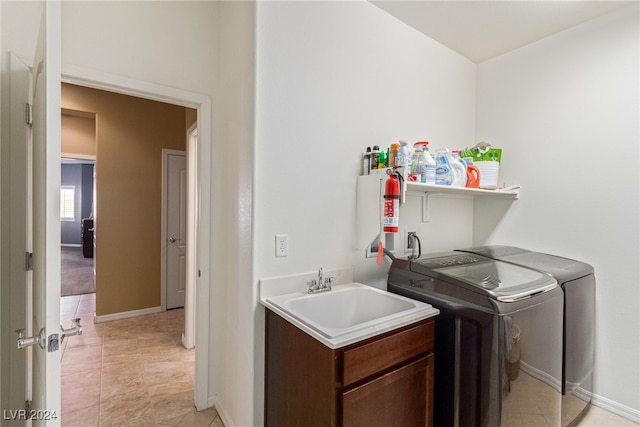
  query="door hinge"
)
[
  {"x": 29, "y": 114},
  {"x": 27, "y": 408},
  {"x": 28, "y": 262}
]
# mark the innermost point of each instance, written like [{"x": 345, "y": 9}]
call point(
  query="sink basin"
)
[
  {"x": 348, "y": 312},
  {"x": 347, "y": 307}
]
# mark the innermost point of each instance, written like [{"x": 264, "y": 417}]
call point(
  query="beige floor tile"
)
[
  {"x": 598, "y": 417},
  {"x": 86, "y": 339},
  {"x": 192, "y": 419},
  {"x": 165, "y": 373},
  {"x": 179, "y": 387},
  {"x": 128, "y": 409},
  {"x": 168, "y": 406},
  {"x": 139, "y": 372},
  {"x": 120, "y": 345},
  {"x": 81, "y": 359},
  {"x": 87, "y": 417},
  {"x": 81, "y": 391},
  {"x": 160, "y": 354},
  {"x": 114, "y": 386}
]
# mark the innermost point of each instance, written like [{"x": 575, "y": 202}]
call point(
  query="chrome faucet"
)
[{"x": 321, "y": 284}]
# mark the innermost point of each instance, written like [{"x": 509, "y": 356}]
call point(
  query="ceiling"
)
[{"x": 480, "y": 30}]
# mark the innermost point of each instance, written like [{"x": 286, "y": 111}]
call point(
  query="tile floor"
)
[
  {"x": 598, "y": 417},
  {"x": 132, "y": 372},
  {"x": 532, "y": 403},
  {"x": 135, "y": 372}
]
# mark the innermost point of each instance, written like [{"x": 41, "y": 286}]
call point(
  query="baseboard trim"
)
[
  {"x": 224, "y": 416},
  {"x": 126, "y": 314},
  {"x": 616, "y": 408},
  {"x": 185, "y": 343}
]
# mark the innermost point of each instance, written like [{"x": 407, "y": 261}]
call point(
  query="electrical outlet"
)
[
  {"x": 409, "y": 242},
  {"x": 282, "y": 245}
]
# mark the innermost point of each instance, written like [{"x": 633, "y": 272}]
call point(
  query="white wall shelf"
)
[
  {"x": 370, "y": 189},
  {"x": 504, "y": 193}
]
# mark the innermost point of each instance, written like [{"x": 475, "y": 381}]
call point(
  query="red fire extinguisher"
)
[{"x": 391, "y": 203}]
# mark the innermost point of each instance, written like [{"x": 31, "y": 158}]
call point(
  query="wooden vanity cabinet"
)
[{"x": 385, "y": 380}]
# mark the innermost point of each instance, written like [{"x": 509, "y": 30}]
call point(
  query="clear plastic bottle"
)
[{"x": 418, "y": 171}]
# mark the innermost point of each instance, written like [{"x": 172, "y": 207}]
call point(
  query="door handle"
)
[
  {"x": 172, "y": 240},
  {"x": 76, "y": 329},
  {"x": 23, "y": 342}
]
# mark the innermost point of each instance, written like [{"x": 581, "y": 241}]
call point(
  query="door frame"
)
[
  {"x": 81, "y": 76},
  {"x": 188, "y": 339}
]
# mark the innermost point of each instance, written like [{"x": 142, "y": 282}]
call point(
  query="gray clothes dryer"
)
[
  {"x": 577, "y": 281},
  {"x": 498, "y": 338}
]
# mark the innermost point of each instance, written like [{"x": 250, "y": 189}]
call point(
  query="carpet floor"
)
[{"x": 76, "y": 272}]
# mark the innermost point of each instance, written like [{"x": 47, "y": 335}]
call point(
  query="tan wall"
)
[
  {"x": 78, "y": 135},
  {"x": 131, "y": 133}
]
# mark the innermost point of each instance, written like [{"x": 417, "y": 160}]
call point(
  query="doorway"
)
[
  {"x": 127, "y": 180},
  {"x": 202, "y": 227},
  {"x": 77, "y": 195},
  {"x": 76, "y": 210}
]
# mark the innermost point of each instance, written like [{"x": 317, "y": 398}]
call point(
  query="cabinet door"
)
[{"x": 403, "y": 398}]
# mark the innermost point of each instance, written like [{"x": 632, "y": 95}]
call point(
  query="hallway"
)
[{"x": 132, "y": 372}]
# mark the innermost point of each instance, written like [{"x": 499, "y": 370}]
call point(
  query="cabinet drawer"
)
[{"x": 368, "y": 359}]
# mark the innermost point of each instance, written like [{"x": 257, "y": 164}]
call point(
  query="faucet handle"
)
[
  {"x": 328, "y": 281},
  {"x": 312, "y": 283}
]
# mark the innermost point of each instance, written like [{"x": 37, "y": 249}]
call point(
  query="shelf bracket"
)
[{"x": 425, "y": 208}]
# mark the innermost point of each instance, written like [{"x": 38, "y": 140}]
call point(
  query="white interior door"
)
[
  {"x": 46, "y": 218},
  {"x": 15, "y": 378},
  {"x": 176, "y": 227}
]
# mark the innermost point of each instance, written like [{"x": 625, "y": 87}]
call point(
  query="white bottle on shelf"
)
[
  {"x": 459, "y": 169},
  {"x": 403, "y": 159},
  {"x": 429, "y": 168}
]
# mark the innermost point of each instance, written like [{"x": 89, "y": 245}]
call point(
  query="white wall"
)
[
  {"x": 233, "y": 308},
  {"x": 332, "y": 79},
  {"x": 165, "y": 42},
  {"x": 566, "y": 111}
]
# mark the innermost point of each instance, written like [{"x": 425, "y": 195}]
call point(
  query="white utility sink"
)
[{"x": 348, "y": 313}]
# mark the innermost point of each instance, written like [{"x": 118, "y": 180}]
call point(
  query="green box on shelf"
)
[{"x": 480, "y": 155}]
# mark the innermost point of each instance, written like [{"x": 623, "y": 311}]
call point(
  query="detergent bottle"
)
[
  {"x": 443, "y": 167},
  {"x": 429, "y": 167},
  {"x": 458, "y": 169},
  {"x": 473, "y": 174}
]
